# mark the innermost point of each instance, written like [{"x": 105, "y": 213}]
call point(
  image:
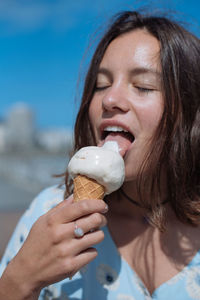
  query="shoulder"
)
[
  {"x": 45, "y": 200},
  {"x": 42, "y": 203}
]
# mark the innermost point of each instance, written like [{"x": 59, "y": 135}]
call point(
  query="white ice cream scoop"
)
[{"x": 103, "y": 164}]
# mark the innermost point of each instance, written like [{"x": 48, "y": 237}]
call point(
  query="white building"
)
[
  {"x": 20, "y": 126},
  {"x": 3, "y": 137},
  {"x": 18, "y": 132},
  {"x": 55, "y": 140}
]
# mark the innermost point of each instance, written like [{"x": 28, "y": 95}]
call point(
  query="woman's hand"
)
[{"x": 51, "y": 251}]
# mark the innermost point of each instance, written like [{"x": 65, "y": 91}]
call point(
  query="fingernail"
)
[{"x": 105, "y": 209}]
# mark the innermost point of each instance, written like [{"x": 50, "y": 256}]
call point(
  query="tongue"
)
[{"x": 122, "y": 140}]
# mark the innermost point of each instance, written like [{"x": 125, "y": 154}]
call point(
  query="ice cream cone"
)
[
  {"x": 96, "y": 171},
  {"x": 87, "y": 188}
]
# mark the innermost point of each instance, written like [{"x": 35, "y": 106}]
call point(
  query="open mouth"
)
[{"x": 117, "y": 133}]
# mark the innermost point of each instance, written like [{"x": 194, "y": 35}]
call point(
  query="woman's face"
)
[{"x": 127, "y": 104}]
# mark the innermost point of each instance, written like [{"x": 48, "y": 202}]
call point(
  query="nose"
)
[{"x": 115, "y": 99}]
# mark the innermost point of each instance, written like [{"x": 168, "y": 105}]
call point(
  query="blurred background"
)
[{"x": 45, "y": 46}]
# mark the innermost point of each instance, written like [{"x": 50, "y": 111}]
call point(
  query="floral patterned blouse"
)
[{"x": 108, "y": 277}]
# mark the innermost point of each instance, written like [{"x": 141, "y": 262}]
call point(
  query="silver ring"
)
[{"x": 78, "y": 231}]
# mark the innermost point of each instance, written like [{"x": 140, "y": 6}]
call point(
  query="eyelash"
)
[
  {"x": 140, "y": 89},
  {"x": 98, "y": 89},
  {"x": 144, "y": 90}
]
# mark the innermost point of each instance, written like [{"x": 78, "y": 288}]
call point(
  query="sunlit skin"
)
[{"x": 128, "y": 92}]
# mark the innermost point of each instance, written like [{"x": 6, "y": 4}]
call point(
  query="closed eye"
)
[
  {"x": 101, "y": 88},
  {"x": 144, "y": 90}
]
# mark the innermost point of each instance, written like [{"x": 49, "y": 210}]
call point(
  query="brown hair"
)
[{"x": 176, "y": 143}]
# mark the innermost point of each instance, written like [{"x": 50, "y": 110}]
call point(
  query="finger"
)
[
  {"x": 68, "y": 250},
  {"x": 91, "y": 222},
  {"x": 68, "y": 212},
  {"x": 77, "y": 245},
  {"x": 83, "y": 259},
  {"x": 87, "y": 241}
]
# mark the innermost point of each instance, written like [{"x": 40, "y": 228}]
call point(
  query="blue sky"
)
[{"x": 42, "y": 44}]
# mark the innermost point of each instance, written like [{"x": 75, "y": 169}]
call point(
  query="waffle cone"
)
[{"x": 87, "y": 188}]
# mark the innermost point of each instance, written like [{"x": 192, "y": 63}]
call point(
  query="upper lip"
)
[{"x": 107, "y": 123}]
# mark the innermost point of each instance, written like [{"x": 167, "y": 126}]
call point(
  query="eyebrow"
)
[
  {"x": 133, "y": 72},
  {"x": 141, "y": 70}
]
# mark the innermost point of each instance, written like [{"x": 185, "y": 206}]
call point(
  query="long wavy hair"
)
[{"x": 175, "y": 147}]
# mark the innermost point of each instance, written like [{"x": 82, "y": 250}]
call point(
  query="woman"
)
[{"x": 144, "y": 80}]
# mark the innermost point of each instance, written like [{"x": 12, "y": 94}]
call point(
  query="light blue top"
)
[{"x": 108, "y": 277}]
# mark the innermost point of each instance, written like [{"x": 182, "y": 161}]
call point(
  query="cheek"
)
[
  {"x": 94, "y": 112},
  {"x": 153, "y": 118},
  {"x": 151, "y": 115}
]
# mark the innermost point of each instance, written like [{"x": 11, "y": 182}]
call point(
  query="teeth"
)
[{"x": 114, "y": 128}]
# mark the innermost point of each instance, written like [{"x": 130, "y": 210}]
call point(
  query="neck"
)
[
  {"x": 120, "y": 205},
  {"x": 125, "y": 195},
  {"x": 127, "y": 202}
]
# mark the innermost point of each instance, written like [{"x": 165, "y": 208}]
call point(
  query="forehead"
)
[{"x": 137, "y": 48}]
